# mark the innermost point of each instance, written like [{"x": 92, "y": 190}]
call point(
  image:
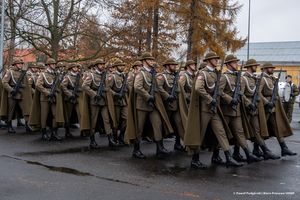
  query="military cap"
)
[
  {"x": 190, "y": 62},
  {"x": 71, "y": 65},
  {"x": 230, "y": 58},
  {"x": 267, "y": 65},
  {"x": 32, "y": 65},
  {"x": 146, "y": 56},
  {"x": 118, "y": 63},
  {"x": 170, "y": 62},
  {"x": 40, "y": 65},
  {"x": 62, "y": 64},
  {"x": 18, "y": 61},
  {"x": 251, "y": 62},
  {"x": 211, "y": 55},
  {"x": 99, "y": 61},
  {"x": 50, "y": 61},
  {"x": 137, "y": 63},
  {"x": 202, "y": 65}
]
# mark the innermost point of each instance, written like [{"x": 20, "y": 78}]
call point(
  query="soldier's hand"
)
[
  {"x": 188, "y": 99},
  {"x": 72, "y": 98},
  {"x": 252, "y": 107},
  {"x": 13, "y": 93},
  {"x": 234, "y": 102},
  {"x": 118, "y": 96},
  {"x": 170, "y": 98},
  {"x": 270, "y": 105},
  {"x": 213, "y": 103},
  {"x": 150, "y": 99}
]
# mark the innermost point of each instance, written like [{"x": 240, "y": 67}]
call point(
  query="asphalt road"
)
[{"x": 35, "y": 170}]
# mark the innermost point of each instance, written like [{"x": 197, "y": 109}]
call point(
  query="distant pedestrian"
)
[{"x": 290, "y": 92}]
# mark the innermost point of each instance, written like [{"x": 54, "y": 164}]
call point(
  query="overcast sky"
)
[{"x": 271, "y": 20}]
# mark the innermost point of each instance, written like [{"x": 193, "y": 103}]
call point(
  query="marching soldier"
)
[
  {"x": 146, "y": 103},
  {"x": 231, "y": 108},
  {"x": 254, "y": 108},
  {"x": 71, "y": 87},
  {"x": 47, "y": 103},
  {"x": 118, "y": 86},
  {"x": 32, "y": 75},
  {"x": 278, "y": 123},
  {"x": 166, "y": 82},
  {"x": 137, "y": 66},
  {"x": 204, "y": 110},
  {"x": 18, "y": 92},
  {"x": 289, "y": 96},
  {"x": 187, "y": 77},
  {"x": 95, "y": 87}
]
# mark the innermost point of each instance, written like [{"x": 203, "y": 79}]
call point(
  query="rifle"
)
[
  {"x": 175, "y": 86},
  {"x": 153, "y": 86},
  {"x": 101, "y": 88},
  {"x": 236, "y": 93},
  {"x": 124, "y": 87},
  {"x": 54, "y": 88},
  {"x": 256, "y": 98},
  {"x": 215, "y": 95},
  {"x": 274, "y": 93},
  {"x": 18, "y": 85},
  {"x": 75, "y": 91}
]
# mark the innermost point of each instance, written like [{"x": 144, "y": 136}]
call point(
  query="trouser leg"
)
[
  {"x": 44, "y": 114},
  {"x": 156, "y": 123},
  {"x": 106, "y": 120},
  {"x": 254, "y": 122},
  {"x": 219, "y": 131},
  {"x": 12, "y": 103},
  {"x": 141, "y": 119},
  {"x": 94, "y": 117}
]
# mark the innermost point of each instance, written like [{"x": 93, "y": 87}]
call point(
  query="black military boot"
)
[
  {"x": 196, "y": 164},
  {"x": 111, "y": 142},
  {"x": 160, "y": 149},
  {"x": 20, "y": 123},
  {"x": 285, "y": 151},
  {"x": 28, "y": 128},
  {"x": 256, "y": 150},
  {"x": 10, "y": 127},
  {"x": 54, "y": 135},
  {"x": 250, "y": 157},
  {"x": 216, "y": 158},
  {"x": 45, "y": 135},
  {"x": 137, "y": 151},
  {"x": 230, "y": 162},
  {"x": 236, "y": 154},
  {"x": 93, "y": 143},
  {"x": 121, "y": 140},
  {"x": 268, "y": 153},
  {"x": 68, "y": 133},
  {"x": 177, "y": 145}
]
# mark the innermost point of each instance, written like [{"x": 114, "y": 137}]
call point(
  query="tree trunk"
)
[
  {"x": 12, "y": 41},
  {"x": 149, "y": 30},
  {"x": 155, "y": 29},
  {"x": 191, "y": 31}
]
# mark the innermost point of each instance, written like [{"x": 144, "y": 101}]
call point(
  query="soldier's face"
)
[
  {"x": 234, "y": 65},
  {"x": 75, "y": 69},
  {"x": 192, "y": 67},
  {"x": 150, "y": 63},
  {"x": 19, "y": 65},
  {"x": 270, "y": 70},
  {"x": 121, "y": 68},
  {"x": 254, "y": 68},
  {"x": 289, "y": 79},
  {"x": 101, "y": 67},
  {"x": 172, "y": 68},
  {"x": 214, "y": 62},
  {"x": 52, "y": 66}
]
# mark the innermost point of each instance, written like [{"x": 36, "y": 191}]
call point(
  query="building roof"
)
[{"x": 285, "y": 53}]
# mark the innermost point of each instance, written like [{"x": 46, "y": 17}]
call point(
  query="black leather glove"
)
[
  {"x": 13, "y": 93},
  {"x": 72, "y": 99},
  {"x": 270, "y": 105},
  {"x": 251, "y": 107},
  {"x": 170, "y": 98},
  {"x": 234, "y": 102},
  {"x": 188, "y": 99},
  {"x": 150, "y": 99},
  {"x": 213, "y": 103},
  {"x": 118, "y": 96}
]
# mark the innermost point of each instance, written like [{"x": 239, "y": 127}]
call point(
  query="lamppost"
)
[
  {"x": 248, "y": 46},
  {"x": 2, "y": 9}
]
